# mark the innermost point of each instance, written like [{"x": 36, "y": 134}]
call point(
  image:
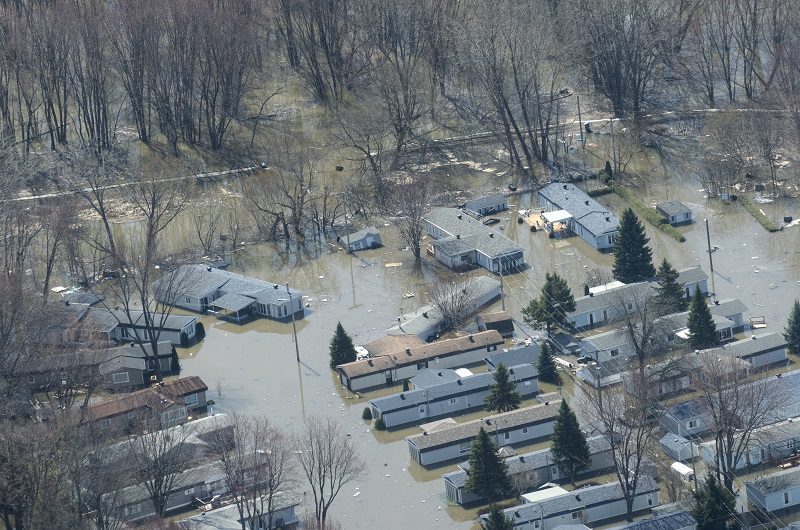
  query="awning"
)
[
  {"x": 233, "y": 302},
  {"x": 557, "y": 216}
]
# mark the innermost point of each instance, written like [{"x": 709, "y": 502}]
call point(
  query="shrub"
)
[
  {"x": 366, "y": 414},
  {"x": 380, "y": 425},
  {"x": 600, "y": 191},
  {"x": 755, "y": 211}
]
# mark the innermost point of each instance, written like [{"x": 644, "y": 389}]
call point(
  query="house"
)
[
  {"x": 392, "y": 368},
  {"x": 768, "y": 445},
  {"x": 526, "y": 354},
  {"x": 227, "y": 517},
  {"x": 678, "y": 448},
  {"x": 499, "y": 320},
  {"x": 449, "y": 397},
  {"x": 392, "y": 344},
  {"x": 516, "y": 427},
  {"x": 529, "y": 471},
  {"x": 162, "y": 405},
  {"x": 692, "y": 417},
  {"x": 602, "y": 308},
  {"x": 427, "y": 322},
  {"x": 774, "y": 492},
  {"x": 462, "y": 242},
  {"x": 766, "y": 349},
  {"x": 680, "y": 520},
  {"x": 675, "y": 212},
  {"x": 731, "y": 308},
  {"x": 590, "y": 220},
  {"x": 602, "y": 374},
  {"x": 487, "y": 205},
  {"x": 693, "y": 278},
  {"x": 363, "y": 239},
  {"x": 588, "y": 506},
  {"x": 180, "y": 330},
  {"x": 610, "y": 345},
  {"x": 231, "y": 296}
]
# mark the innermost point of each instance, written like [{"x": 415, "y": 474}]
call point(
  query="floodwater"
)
[{"x": 252, "y": 368}]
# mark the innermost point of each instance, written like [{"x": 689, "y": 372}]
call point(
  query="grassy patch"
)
[
  {"x": 600, "y": 191},
  {"x": 755, "y": 211},
  {"x": 650, "y": 214}
]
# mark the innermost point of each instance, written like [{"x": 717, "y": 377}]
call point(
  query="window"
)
[
  {"x": 133, "y": 509},
  {"x": 506, "y": 435},
  {"x": 105, "y": 424},
  {"x": 131, "y": 415},
  {"x": 453, "y": 401},
  {"x": 577, "y": 515},
  {"x": 527, "y": 383},
  {"x": 189, "y": 491},
  {"x": 554, "y": 470},
  {"x": 785, "y": 497},
  {"x": 422, "y": 366},
  {"x": 614, "y": 352},
  {"x": 464, "y": 448},
  {"x": 191, "y": 399},
  {"x": 524, "y": 430},
  {"x": 31, "y": 379},
  {"x": 491, "y": 348},
  {"x": 605, "y": 314},
  {"x": 536, "y": 524},
  {"x": 630, "y": 306},
  {"x": 121, "y": 377},
  {"x": 691, "y": 424},
  {"x": 187, "y": 300},
  {"x": 649, "y": 500},
  {"x": 422, "y": 409}
]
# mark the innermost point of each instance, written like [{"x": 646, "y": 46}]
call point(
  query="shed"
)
[
  {"x": 363, "y": 239},
  {"x": 499, "y": 320},
  {"x": 675, "y": 212}
]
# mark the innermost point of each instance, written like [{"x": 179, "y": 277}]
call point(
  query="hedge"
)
[
  {"x": 755, "y": 211},
  {"x": 650, "y": 214},
  {"x": 600, "y": 191}
]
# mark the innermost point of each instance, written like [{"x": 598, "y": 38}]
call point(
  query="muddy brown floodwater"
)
[{"x": 254, "y": 365}]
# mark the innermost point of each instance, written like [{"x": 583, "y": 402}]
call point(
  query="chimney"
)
[
  {"x": 458, "y": 236},
  {"x": 208, "y": 269},
  {"x": 565, "y": 186},
  {"x": 591, "y": 294},
  {"x": 274, "y": 285},
  {"x": 754, "y": 337},
  {"x": 491, "y": 235},
  {"x": 408, "y": 351},
  {"x": 369, "y": 362},
  {"x": 471, "y": 338},
  {"x": 608, "y": 219},
  {"x": 586, "y": 202},
  {"x": 460, "y": 216}
]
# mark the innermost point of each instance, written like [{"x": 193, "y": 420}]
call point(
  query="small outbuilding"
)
[
  {"x": 363, "y": 239},
  {"x": 500, "y": 321},
  {"x": 675, "y": 212}
]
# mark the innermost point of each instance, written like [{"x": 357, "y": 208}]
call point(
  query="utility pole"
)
[
  {"x": 580, "y": 124},
  {"x": 710, "y": 263},
  {"x": 502, "y": 289},
  {"x": 294, "y": 325},
  {"x": 613, "y": 150}
]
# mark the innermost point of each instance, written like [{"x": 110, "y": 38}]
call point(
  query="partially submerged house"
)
[
  {"x": 675, "y": 212},
  {"x": 394, "y": 367},
  {"x": 693, "y": 278},
  {"x": 588, "y": 219},
  {"x": 775, "y": 492},
  {"x": 498, "y": 320},
  {"x": 284, "y": 517},
  {"x": 516, "y": 427},
  {"x": 448, "y": 398},
  {"x": 162, "y": 405},
  {"x": 488, "y": 205},
  {"x": 366, "y": 238},
  {"x": 229, "y": 295},
  {"x": 588, "y": 506},
  {"x": 462, "y": 241},
  {"x": 529, "y": 471}
]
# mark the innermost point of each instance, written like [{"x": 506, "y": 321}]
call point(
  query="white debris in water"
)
[{"x": 321, "y": 276}]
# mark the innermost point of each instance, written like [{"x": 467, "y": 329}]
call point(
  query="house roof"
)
[
  {"x": 137, "y": 318},
  {"x": 673, "y": 207},
  {"x": 728, "y": 307},
  {"x": 776, "y": 482},
  {"x": 467, "y": 233},
  {"x": 674, "y": 442},
  {"x": 422, "y": 353},
  {"x": 497, "y": 316},
  {"x": 445, "y": 389},
  {"x": 429, "y": 378},
  {"x": 81, "y": 298},
  {"x": 610, "y": 297},
  {"x": 122, "y": 362},
  {"x": 158, "y": 398},
  {"x": 485, "y": 202},
  {"x": 468, "y": 430},
  {"x": 586, "y": 211},
  {"x": 691, "y": 275},
  {"x": 751, "y": 346},
  {"x": 227, "y": 517},
  {"x": 681, "y": 520},
  {"x": 203, "y": 474},
  {"x": 361, "y": 234},
  {"x": 233, "y": 302},
  {"x": 392, "y": 344},
  {"x": 607, "y": 340},
  {"x": 526, "y": 354}
]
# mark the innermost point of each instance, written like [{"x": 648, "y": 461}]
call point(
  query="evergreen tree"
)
[
  {"x": 792, "y": 331},
  {"x": 496, "y": 520},
  {"x": 547, "y": 366},
  {"x": 713, "y": 505},
  {"x": 702, "y": 331},
  {"x": 568, "y": 444},
  {"x": 503, "y": 395},
  {"x": 487, "y": 475},
  {"x": 341, "y": 348},
  {"x": 633, "y": 259},
  {"x": 669, "y": 293},
  {"x": 553, "y": 305}
]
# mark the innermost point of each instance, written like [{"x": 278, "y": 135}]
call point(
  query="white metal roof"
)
[{"x": 556, "y": 216}]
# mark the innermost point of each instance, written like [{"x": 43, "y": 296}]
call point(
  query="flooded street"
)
[{"x": 252, "y": 368}]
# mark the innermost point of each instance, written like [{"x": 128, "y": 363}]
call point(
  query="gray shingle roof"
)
[
  {"x": 586, "y": 211},
  {"x": 361, "y": 234},
  {"x": 671, "y": 521},
  {"x": 752, "y": 345},
  {"x": 610, "y": 298},
  {"x": 468, "y": 430},
  {"x": 429, "y": 378},
  {"x": 136, "y": 318},
  {"x": 672, "y": 208},
  {"x": 513, "y": 357},
  {"x": 445, "y": 390},
  {"x": 233, "y": 302},
  {"x": 691, "y": 275},
  {"x": 728, "y": 307},
  {"x": 485, "y": 202},
  {"x": 607, "y": 340},
  {"x": 775, "y": 482},
  {"x": 474, "y": 235}
]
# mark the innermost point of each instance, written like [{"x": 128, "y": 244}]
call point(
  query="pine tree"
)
[
  {"x": 503, "y": 395},
  {"x": 633, "y": 259},
  {"x": 547, "y": 366},
  {"x": 568, "y": 444},
  {"x": 792, "y": 331},
  {"x": 553, "y": 305},
  {"x": 487, "y": 475},
  {"x": 702, "y": 331},
  {"x": 341, "y": 348},
  {"x": 496, "y": 520},
  {"x": 670, "y": 295},
  {"x": 713, "y": 505}
]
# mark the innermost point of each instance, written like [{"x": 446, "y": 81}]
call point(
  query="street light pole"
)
[
  {"x": 710, "y": 262},
  {"x": 294, "y": 325}
]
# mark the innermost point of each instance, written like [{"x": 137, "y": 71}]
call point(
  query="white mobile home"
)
[
  {"x": 766, "y": 349},
  {"x": 487, "y": 205},
  {"x": 775, "y": 492},
  {"x": 675, "y": 212},
  {"x": 769, "y": 445},
  {"x": 519, "y": 426},
  {"x": 590, "y": 220},
  {"x": 363, "y": 239}
]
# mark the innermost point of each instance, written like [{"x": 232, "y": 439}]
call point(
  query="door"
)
[
  {"x": 204, "y": 304},
  {"x": 591, "y": 319}
]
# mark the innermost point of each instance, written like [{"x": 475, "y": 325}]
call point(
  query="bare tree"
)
[
  {"x": 258, "y": 463},
  {"x": 329, "y": 461},
  {"x": 453, "y": 300},
  {"x": 207, "y": 219},
  {"x": 410, "y": 201}
]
